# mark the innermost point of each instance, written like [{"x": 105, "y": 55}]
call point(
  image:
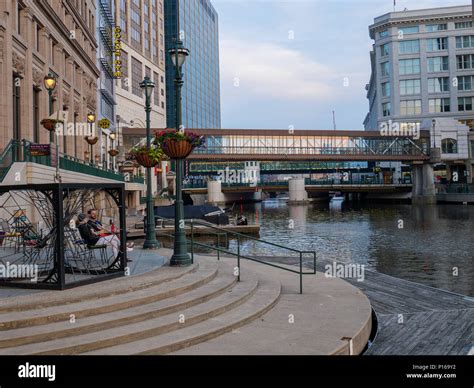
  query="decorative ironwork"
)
[{"x": 41, "y": 245}]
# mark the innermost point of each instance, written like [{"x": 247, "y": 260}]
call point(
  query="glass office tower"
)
[{"x": 198, "y": 22}]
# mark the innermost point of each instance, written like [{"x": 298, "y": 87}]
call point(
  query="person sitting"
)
[
  {"x": 95, "y": 223},
  {"x": 93, "y": 237}
]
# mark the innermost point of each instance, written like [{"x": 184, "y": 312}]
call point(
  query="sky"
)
[{"x": 291, "y": 63}]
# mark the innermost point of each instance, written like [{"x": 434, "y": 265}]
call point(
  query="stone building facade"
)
[{"x": 38, "y": 37}]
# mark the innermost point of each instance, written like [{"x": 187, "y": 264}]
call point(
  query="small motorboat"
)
[{"x": 336, "y": 198}]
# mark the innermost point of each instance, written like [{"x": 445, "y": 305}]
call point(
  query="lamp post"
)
[
  {"x": 91, "y": 120},
  {"x": 147, "y": 85},
  {"x": 180, "y": 255},
  {"x": 50, "y": 85}
]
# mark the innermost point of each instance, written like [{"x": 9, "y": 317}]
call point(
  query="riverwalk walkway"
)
[
  {"x": 170, "y": 310},
  {"x": 414, "y": 319}
]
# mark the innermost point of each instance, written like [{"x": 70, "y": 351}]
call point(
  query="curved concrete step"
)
[
  {"x": 172, "y": 288},
  {"x": 64, "y": 329},
  {"x": 98, "y": 290},
  {"x": 264, "y": 298},
  {"x": 141, "y": 331}
]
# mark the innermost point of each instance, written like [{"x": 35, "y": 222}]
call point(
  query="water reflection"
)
[{"x": 422, "y": 244}]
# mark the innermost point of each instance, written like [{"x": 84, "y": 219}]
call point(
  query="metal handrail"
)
[{"x": 239, "y": 255}]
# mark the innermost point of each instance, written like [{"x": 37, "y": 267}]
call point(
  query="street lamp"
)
[
  {"x": 91, "y": 120},
  {"x": 50, "y": 85},
  {"x": 147, "y": 85},
  {"x": 180, "y": 255}
]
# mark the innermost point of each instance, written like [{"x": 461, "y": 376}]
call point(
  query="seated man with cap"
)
[{"x": 92, "y": 237}]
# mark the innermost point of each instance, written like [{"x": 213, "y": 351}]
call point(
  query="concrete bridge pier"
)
[
  {"x": 423, "y": 191},
  {"x": 297, "y": 191},
  {"x": 215, "y": 196}
]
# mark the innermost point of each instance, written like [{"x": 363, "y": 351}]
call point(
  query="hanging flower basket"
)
[
  {"x": 177, "y": 149},
  {"x": 50, "y": 124},
  {"x": 92, "y": 140},
  {"x": 113, "y": 153},
  {"x": 146, "y": 157},
  {"x": 178, "y": 145}
]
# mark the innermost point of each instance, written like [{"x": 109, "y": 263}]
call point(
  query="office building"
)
[
  {"x": 198, "y": 22},
  {"x": 423, "y": 74}
]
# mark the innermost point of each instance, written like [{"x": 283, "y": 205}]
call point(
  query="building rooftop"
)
[{"x": 463, "y": 11}]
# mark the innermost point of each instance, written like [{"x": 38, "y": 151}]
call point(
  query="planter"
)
[
  {"x": 92, "y": 140},
  {"x": 50, "y": 124},
  {"x": 113, "y": 153},
  {"x": 145, "y": 160},
  {"x": 177, "y": 149}
]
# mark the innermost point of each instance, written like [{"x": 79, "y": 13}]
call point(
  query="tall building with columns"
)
[{"x": 38, "y": 37}]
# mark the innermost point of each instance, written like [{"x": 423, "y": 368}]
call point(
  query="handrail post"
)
[
  {"x": 301, "y": 272},
  {"x": 192, "y": 242},
  {"x": 238, "y": 258},
  {"x": 218, "y": 246}
]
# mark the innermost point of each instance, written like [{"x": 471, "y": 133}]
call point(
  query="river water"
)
[{"x": 432, "y": 245}]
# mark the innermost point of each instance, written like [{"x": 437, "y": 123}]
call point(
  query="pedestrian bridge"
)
[{"x": 309, "y": 145}]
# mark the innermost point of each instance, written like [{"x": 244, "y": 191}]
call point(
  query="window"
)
[
  {"x": 36, "y": 116},
  {"x": 410, "y": 107},
  {"x": 409, "y": 66},
  {"x": 38, "y": 37},
  {"x": 449, "y": 146},
  {"x": 16, "y": 108},
  {"x": 472, "y": 149},
  {"x": 137, "y": 77},
  {"x": 385, "y": 49},
  {"x": 383, "y": 34},
  {"x": 464, "y": 42},
  {"x": 386, "y": 89},
  {"x": 436, "y": 27},
  {"x": 409, "y": 46},
  {"x": 465, "y": 104},
  {"x": 465, "y": 61},
  {"x": 439, "y": 105},
  {"x": 437, "y": 44},
  {"x": 53, "y": 50},
  {"x": 385, "y": 69},
  {"x": 438, "y": 85},
  {"x": 386, "y": 108},
  {"x": 18, "y": 18},
  {"x": 156, "y": 94},
  {"x": 466, "y": 83},
  {"x": 438, "y": 64},
  {"x": 408, "y": 30},
  {"x": 462, "y": 25},
  {"x": 410, "y": 86}
]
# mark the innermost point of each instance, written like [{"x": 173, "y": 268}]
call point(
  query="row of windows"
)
[
  {"x": 435, "y": 105},
  {"x": 428, "y": 28},
  {"x": 434, "y": 65},
  {"x": 432, "y": 45},
  {"x": 435, "y": 85}
]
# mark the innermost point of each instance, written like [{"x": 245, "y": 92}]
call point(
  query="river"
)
[{"x": 432, "y": 245}]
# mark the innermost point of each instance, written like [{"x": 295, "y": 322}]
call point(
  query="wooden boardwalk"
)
[{"x": 414, "y": 319}]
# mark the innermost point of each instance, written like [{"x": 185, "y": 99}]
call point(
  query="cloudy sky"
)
[{"x": 292, "y": 62}]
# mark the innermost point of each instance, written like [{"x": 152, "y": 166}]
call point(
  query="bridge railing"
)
[{"x": 410, "y": 149}]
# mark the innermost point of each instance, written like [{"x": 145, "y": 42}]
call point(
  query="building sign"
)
[
  {"x": 118, "y": 52},
  {"x": 40, "y": 149},
  {"x": 104, "y": 123}
]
